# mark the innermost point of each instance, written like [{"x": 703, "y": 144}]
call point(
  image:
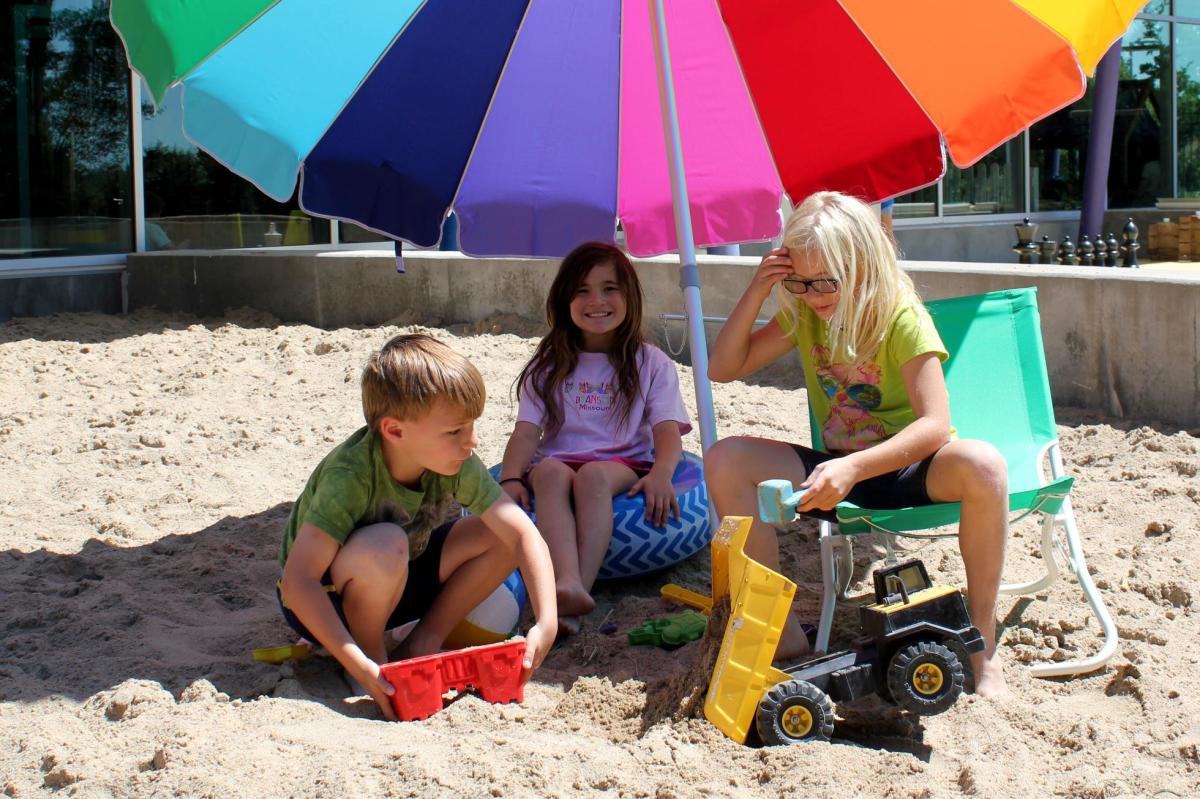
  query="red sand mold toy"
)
[{"x": 493, "y": 671}]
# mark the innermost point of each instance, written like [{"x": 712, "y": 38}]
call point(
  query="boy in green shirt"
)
[{"x": 367, "y": 546}]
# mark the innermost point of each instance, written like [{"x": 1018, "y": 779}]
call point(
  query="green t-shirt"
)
[
  {"x": 352, "y": 488},
  {"x": 858, "y": 406}
]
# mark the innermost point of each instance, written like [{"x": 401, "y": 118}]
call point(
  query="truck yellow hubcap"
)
[
  {"x": 927, "y": 679},
  {"x": 797, "y": 721}
]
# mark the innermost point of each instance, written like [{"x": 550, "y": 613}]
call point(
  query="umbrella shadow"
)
[
  {"x": 193, "y": 606},
  {"x": 183, "y": 608}
]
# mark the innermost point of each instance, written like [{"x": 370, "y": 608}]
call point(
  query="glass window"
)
[
  {"x": 1183, "y": 8},
  {"x": 1057, "y": 151},
  {"x": 1163, "y": 6},
  {"x": 354, "y": 234},
  {"x": 1140, "y": 169},
  {"x": 65, "y": 186},
  {"x": 1187, "y": 99},
  {"x": 194, "y": 202},
  {"x": 919, "y": 203},
  {"x": 993, "y": 185}
]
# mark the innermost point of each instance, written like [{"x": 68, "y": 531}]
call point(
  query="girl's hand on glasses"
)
[{"x": 774, "y": 267}]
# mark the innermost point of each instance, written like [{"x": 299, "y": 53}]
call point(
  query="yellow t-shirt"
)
[{"x": 859, "y": 405}]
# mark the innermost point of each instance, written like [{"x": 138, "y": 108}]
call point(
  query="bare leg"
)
[
  {"x": 974, "y": 473},
  {"x": 474, "y": 562},
  {"x": 595, "y": 486},
  {"x": 553, "y": 483},
  {"x": 370, "y": 573},
  {"x": 733, "y": 468}
]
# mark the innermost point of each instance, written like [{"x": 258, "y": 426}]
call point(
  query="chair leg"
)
[
  {"x": 1079, "y": 566},
  {"x": 1047, "y": 579},
  {"x": 889, "y": 545},
  {"x": 843, "y": 555},
  {"x": 829, "y": 583}
]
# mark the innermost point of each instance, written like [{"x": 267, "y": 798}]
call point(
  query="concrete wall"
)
[
  {"x": 1122, "y": 341},
  {"x": 41, "y": 296}
]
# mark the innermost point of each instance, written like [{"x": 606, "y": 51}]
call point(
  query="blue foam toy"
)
[{"x": 777, "y": 502}]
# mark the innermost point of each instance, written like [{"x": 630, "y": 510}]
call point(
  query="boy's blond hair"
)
[
  {"x": 845, "y": 236},
  {"x": 413, "y": 371}
]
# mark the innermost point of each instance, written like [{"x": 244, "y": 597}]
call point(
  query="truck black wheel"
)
[
  {"x": 925, "y": 678},
  {"x": 792, "y": 711}
]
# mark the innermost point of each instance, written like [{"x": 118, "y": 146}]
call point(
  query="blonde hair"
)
[
  {"x": 843, "y": 235},
  {"x": 413, "y": 371}
]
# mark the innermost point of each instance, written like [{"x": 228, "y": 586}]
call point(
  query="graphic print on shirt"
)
[
  {"x": 853, "y": 392},
  {"x": 588, "y": 396},
  {"x": 418, "y": 528}
]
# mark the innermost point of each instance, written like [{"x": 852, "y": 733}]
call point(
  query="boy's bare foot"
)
[
  {"x": 793, "y": 643},
  {"x": 989, "y": 675},
  {"x": 395, "y": 636},
  {"x": 416, "y": 644},
  {"x": 573, "y": 600},
  {"x": 569, "y": 625},
  {"x": 357, "y": 690}
]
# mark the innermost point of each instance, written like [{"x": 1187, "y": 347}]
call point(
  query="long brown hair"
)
[{"x": 557, "y": 354}]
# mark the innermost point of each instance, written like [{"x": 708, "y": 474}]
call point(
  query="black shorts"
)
[
  {"x": 422, "y": 588},
  {"x": 903, "y": 488}
]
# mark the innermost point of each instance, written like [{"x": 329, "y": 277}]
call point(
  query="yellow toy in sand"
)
[
  {"x": 759, "y": 601},
  {"x": 916, "y": 640}
]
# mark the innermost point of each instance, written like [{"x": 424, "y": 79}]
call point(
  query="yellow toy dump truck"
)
[{"x": 915, "y": 639}]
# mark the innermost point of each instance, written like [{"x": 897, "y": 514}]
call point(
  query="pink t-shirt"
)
[{"x": 589, "y": 431}]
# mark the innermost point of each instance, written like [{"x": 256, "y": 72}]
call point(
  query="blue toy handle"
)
[{"x": 777, "y": 502}]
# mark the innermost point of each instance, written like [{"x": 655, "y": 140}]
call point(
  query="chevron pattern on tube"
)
[{"x": 639, "y": 547}]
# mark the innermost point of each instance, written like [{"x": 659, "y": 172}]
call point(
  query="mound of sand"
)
[{"x": 149, "y": 462}]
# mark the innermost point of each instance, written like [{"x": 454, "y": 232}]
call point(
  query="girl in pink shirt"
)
[{"x": 599, "y": 413}]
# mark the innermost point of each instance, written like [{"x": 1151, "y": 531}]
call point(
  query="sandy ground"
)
[{"x": 149, "y": 463}]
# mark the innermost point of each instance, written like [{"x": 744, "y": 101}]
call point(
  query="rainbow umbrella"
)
[{"x": 542, "y": 123}]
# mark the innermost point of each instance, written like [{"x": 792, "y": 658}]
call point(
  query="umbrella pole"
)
[{"x": 689, "y": 273}]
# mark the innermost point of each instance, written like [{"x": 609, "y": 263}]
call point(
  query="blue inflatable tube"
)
[{"x": 638, "y": 547}]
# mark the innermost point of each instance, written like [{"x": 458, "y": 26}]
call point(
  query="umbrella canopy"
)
[
  {"x": 542, "y": 123},
  {"x": 539, "y": 122}
]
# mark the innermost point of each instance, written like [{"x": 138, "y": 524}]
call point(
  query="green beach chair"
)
[{"x": 999, "y": 393}]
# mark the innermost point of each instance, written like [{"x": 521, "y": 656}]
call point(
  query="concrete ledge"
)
[
  {"x": 35, "y": 293},
  {"x": 1126, "y": 342}
]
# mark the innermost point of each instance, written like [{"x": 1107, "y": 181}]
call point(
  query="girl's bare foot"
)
[
  {"x": 569, "y": 625},
  {"x": 989, "y": 675},
  {"x": 573, "y": 600}
]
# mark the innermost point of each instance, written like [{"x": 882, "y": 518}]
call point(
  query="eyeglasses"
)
[{"x": 822, "y": 285}]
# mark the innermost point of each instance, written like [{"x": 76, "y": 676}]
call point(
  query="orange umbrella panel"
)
[{"x": 983, "y": 71}]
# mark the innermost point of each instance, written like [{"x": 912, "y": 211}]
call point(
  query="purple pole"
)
[{"x": 1104, "y": 110}]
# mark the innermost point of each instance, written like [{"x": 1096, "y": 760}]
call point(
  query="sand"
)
[{"x": 148, "y": 465}]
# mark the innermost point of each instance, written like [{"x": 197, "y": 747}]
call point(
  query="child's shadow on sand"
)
[
  {"x": 180, "y": 609},
  {"x": 191, "y": 607}
]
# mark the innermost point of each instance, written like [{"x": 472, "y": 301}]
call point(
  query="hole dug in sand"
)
[{"x": 672, "y": 691}]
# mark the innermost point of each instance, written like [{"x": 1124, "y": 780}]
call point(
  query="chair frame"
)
[{"x": 837, "y": 567}]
